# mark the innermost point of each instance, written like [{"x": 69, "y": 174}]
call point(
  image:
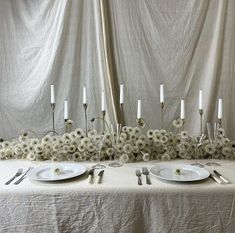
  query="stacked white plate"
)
[{"x": 167, "y": 171}]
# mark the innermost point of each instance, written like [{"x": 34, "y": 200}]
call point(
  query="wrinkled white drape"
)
[{"x": 186, "y": 44}]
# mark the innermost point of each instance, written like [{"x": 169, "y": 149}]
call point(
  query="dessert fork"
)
[
  {"x": 18, "y": 173},
  {"x": 138, "y": 174}
]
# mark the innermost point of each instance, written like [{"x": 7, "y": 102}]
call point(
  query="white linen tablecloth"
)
[{"x": 118, "y": 204}]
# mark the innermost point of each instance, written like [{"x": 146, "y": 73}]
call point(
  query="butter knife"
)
[
  {"x": 221, "y": 177},
  {"x": 91, "y": 176},
  {"x": 99, "y": 178},
  {"x": 216, "y": 179}
]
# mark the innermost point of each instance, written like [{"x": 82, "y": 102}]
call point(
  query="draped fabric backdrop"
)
[{"x": 186, "y": 44}]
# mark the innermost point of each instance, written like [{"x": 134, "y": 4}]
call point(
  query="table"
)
[{"x": 118, "y": 204}]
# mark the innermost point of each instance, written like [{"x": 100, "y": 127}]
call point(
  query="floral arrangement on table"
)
[{"x": 130, "y": 144}]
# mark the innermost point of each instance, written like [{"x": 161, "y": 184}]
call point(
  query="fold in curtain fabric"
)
[{"x": 186, "y": 44}]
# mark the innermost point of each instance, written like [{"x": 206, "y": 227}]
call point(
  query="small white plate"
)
[
  {"x": 167, "y": 172},
  {"x": 45, "y": 173}
]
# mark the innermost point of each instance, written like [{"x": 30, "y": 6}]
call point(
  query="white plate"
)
[
  {"x": 167, "y": 171},
  {"x": 45, "y": 173}
]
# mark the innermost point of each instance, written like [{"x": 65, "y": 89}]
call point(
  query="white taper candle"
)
[
  {"x": 220, "y": 108},
  {"x": 139, "y": 111},
  {"x": 200, "y": 103},
  {"x": 182, "y": 109},
  {"x": 84, "y": 96},
  {"x": 52, "y": 94},
  {"x": 161, "y": 93},
  {"x": 121, "y": 94},
  {"x": 102, "y": 102},
  {"x": 66, "y": 112}
]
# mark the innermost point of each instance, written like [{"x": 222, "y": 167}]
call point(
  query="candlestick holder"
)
[
  {"x": 121, "y": 110},
  {"x": 66, "y": 125},
  {"x": 162, "y": 113},
  {"x": 85, "y": 112},
  {"x": 103, "y": 119},
  {"x": 53, "y": 117},
  {"x": 140, "y": 122},
  {"x": 201, "y": 114},
  {"x": 183, "y": 120},
  {"x": 220, "y": 122}
]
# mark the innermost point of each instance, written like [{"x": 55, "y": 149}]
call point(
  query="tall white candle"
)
[
  {"x": 66, "y": 112},
  {"x": 161, "y": 93},
  {"x": 52, "y": 94},
  {"x": 200, "y": 103},
  {"x": 121, "y": 94},
  {"x": 182, "y": 109},
  {"x": 84, "y": 96},
  {"x": 220, "y": 108},
  {"x": 102, "y": 102},
  {"x": 139, "y": 111}
]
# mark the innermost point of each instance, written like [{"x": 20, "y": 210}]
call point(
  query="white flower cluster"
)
[{"x": 130, "y": 145}]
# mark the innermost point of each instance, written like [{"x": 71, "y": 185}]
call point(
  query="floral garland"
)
[{"x": 129, "y": 145}]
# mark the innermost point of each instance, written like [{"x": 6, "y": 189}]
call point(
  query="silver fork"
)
[
  {"x": 146, "y": 173},
  {"x": 18, "y": 173},
  {"x": 23, "y": 177},
  {"x": 138, "y": 174}
]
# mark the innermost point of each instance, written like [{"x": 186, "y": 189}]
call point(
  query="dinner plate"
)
[
  {"x": 166, "y": 171},
  {"x": 68, "y": 171}
]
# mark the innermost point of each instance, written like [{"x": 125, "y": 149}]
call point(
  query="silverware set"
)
[
  {"x": 145, "y": 172},
  {"x": 217, "y": 177},
  {"x": 19, "y": 173},
  {"x": 91, "y": 176}
]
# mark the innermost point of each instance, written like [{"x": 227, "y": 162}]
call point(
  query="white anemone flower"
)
[
  {"x": 178, "y": 123},
  {"x": 221, "y": 131},
  {"x": 166, "y": 157},
  {"x": 38, "y": 149},
  {"x": 78, "y": 133},
  {"x": 226, "y": 151},
  {"x": 135, "y": 149},
  {"x": 119, "y": 148},
  {"x": 150, "y": 133},
  {"x": 90, "y": 147},
  {"x": 127, "y": 148},
  {"x": 86, "y": 141},
  {"x": 120, "y": 141},
  {"x": 136, "y": 131},
  {"x": 46, "y": 139},
  {"x": 140, "y": 143},
  {"x": 124, "y": 158},
  {"x": 72, "y": 149},
  {"x": 31, "y": 156},
  {"x": 162, "y": 132},
  {"x": 124, "y": 129},
  {"x": 81, "y": 147},
  {"x": 210, "y": 148},
  {"x": 225, "y": 141},
  {"x": 146, "y": 157},
  {"x": 184, "y": 135},
  {"x": 163, "y": 139},
  {"x": 34, "y": 141},
  {"x": 232, "y": 145},
  {"x": 76, "y": 156},
  {"x": 110, "y": 151},
  {"x": 129, "y": 130},
  {"x": 123, "y": 136}
]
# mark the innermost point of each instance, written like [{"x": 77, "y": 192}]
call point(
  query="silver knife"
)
[
  {"x": 221, "y": 177},
  {"x": 216, "y": 179},
  {"x": 90, "y": 176},
  {"x": 99, "y": 178}
]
